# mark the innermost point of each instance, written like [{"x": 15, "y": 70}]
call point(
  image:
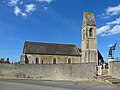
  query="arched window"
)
[
  {"x": 69, "y": 61},
  {"x": 83, "y": 34},
  {"x": 42, "y": 61},
  {"x": 54, "y": 61},
  {"x": 91, "y": 32},
  {"x": 26, "y": 60},
  {"x": 37, "y": 60}
]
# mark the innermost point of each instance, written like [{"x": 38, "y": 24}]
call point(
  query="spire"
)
[{"x": 88, "y": 19}]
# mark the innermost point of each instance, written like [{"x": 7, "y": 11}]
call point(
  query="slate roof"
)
[{"x": 50, "y": 48}]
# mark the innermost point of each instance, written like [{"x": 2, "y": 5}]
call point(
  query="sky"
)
[{"x": 57, "y": 21}]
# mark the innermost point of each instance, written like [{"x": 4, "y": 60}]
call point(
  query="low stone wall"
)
[
  {"x": 48, "y": 72},
  {"x": 114, "y": 69}
]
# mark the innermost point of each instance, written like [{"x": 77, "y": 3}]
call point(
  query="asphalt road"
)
[{"x": 54, "y": 85}]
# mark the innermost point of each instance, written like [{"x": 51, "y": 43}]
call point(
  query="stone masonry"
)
[{"x": 48, "y": 71}]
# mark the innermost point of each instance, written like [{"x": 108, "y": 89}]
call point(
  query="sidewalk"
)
[{"x": 109, "y": 79}]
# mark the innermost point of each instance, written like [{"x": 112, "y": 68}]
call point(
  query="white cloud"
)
[
  {"x": 18, "y": 11},
  {"x": 24, "y": 7},
  {"x": 45, "y": 8},
  {"x": 112, "y": 27},
  {"x": 113, "y": 10},
  {"x": 104, "y": 34},
  {"x": 117, "y": 21},
  {"x": 114, "y": 30},
  {"x": 103, "y": 29},
  {"x": 30, "y": 8},
  {"x": 13, "y": 2},
  {"x": 110, "y": 11},
  {"x": 47, "y": 1},
  {"x": 110, "y": 45},
  {"x": 23, "y": 14}
]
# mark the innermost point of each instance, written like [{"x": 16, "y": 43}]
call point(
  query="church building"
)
[{"x": 53, "y": 53}]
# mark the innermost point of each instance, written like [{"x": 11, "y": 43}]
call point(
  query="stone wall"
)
[
  {"x": 114, "y": 69},
  {"x": 48, "y": 71}
]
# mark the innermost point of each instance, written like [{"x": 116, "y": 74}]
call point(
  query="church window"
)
[
  {"x": 54, "y": 61},
  {"x": 86, "y": 32},
  {"x": 42, "y": 61},
  {"x": 69, "y": 61},
  {"x": 87, "y": 44},
  {"x": 83, "y": 34},
  {"x": 37, "y": 60},
  {"x": 91, "y": 32},
  {"x": 26, "y": 60}
]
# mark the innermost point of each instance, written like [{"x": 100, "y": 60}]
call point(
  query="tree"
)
[
  {"x": 7, "y": 61},
  {"x": 2, "y": 60}
]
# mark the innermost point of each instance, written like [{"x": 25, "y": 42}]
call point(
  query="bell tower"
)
[{"x": 89, "y": 39}]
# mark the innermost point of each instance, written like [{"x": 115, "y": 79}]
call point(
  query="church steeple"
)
[
  {"x": 88, "y": 19},
  {"x": 89, "y": 39}
]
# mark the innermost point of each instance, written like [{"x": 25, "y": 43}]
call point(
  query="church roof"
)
[{"x": 50, "y": 48}]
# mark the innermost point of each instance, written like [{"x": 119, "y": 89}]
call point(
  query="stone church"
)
[{"x": 53, "y": 53}]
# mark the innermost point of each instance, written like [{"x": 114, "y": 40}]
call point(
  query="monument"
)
[{"x": 111, "y": 51}]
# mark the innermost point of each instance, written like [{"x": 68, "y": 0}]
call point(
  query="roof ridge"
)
[{"x": 48, "y": 43}]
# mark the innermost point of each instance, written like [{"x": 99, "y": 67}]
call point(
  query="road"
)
[{"x": 54, "y": 85}]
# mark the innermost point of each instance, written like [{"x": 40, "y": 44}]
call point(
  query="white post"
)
[
  {"x": 110, "y": 60},
  {"x": 104, "y": 66},
  {"x": 100, "y": 70}
]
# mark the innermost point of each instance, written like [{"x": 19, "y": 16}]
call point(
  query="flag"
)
[{"x": 114, "y": 46}]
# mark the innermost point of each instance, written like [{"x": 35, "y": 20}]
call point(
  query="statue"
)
[{"x": 112, "y": 48}]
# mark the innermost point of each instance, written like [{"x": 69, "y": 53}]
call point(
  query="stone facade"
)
[
  {"x": 89, "y": 39},
  {"x": 50, "y": 59}
]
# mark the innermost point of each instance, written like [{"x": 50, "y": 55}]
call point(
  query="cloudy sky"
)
[{"x": 56, "y": 21}]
